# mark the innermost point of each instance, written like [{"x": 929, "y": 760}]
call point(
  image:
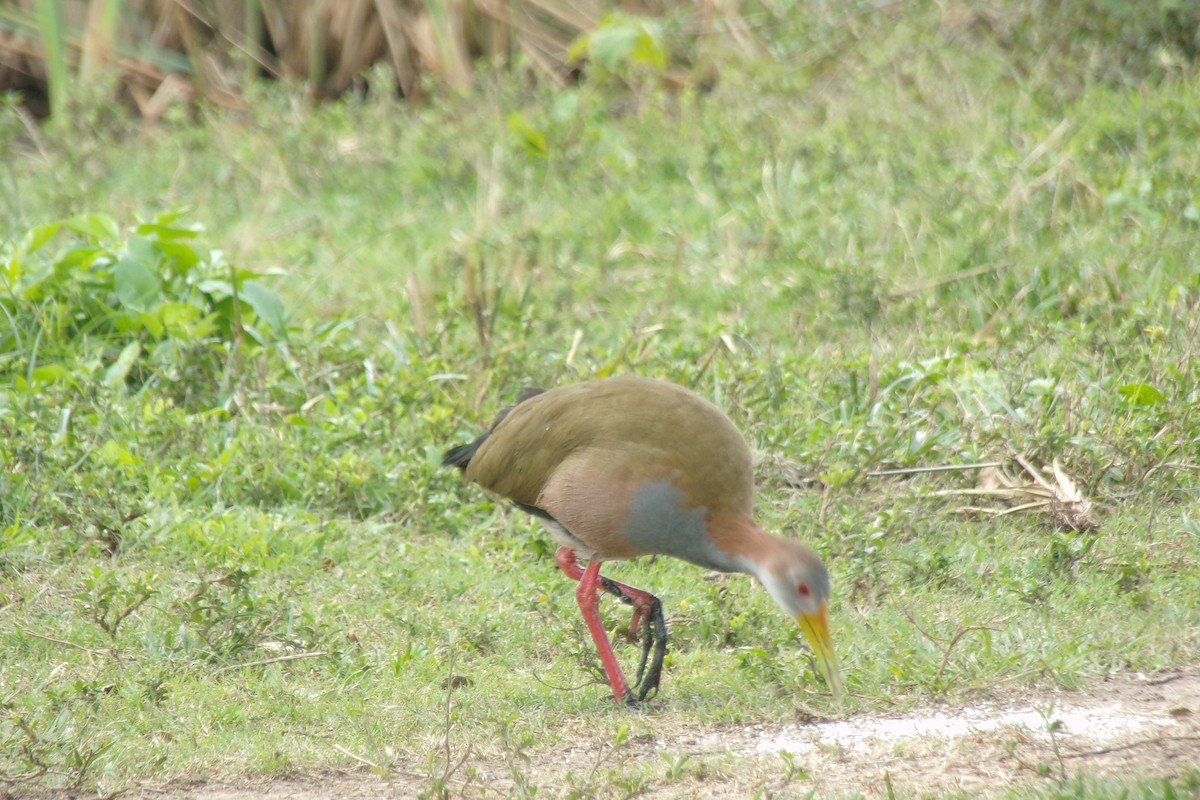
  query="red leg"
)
[
  {"x": 587, "y": 593},
  {"x": 569, "y": 564},
  {"x": 639, "y": 599},
  {"x": 647, "y": 610}
]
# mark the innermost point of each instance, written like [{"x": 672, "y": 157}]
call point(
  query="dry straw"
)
[{"x": 160, "y": 52}]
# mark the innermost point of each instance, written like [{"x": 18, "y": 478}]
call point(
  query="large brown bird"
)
[{"x": 623, "y": 467}]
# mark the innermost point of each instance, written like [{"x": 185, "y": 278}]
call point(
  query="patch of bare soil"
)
[{"x": 1127, "y": 727}]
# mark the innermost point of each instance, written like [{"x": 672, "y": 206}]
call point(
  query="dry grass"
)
[
  {"x": 1050, "y": 490},
  {"x": 162, "y": 52}
]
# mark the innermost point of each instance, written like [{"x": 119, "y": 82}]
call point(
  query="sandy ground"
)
[{"x": 1129, "y": 726}]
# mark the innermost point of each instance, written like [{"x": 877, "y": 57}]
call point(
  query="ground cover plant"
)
[{"x": 234, "y": 347}]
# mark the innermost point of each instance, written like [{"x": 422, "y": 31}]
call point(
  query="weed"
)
[
  {"x": 792, "y": 771},
  {"x": 676, "y": 766},
  {"x": 108, "y": 601},
  {"x": 120, "y": 310},
  {"x": 1053, "y": 726}
]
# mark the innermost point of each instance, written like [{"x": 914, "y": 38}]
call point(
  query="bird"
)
[{"x": 628, "y": 466}]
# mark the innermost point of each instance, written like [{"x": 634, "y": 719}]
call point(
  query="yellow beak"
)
[{"x": 816, "y": 630}]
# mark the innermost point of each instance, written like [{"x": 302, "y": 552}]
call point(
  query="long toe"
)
[{"x": 649, "y": 682}]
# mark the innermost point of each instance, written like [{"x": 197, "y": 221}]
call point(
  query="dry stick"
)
[
  {"x": 1161, "y": 681},
  {"x": 265, "y": 661},
  {"x": 416, "y": 311},
  {"x": 357, "y": 758},
  {"x": 1131, "y": 745},
  {"x": 1017, "y": 676},
  {"x": 548, "y": 685},
  {"x": 1000, "y": 512},
  {"x": 111, "y": 628},
  {"x": 966, "y": 274},
  {"x": 575, "y": 340},
  {"x": 1033, "y": 473},
  {"x": 949, "y": 648},
  {"x": 941, "y": 468},
  {"x": 1044, "y": 146},
  {"x": 63, "y": 642},
  {"x": 450, "y": 768},
  {"x": 1052, "y": 728}
]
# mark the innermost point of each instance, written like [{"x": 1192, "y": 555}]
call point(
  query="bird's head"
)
[{"x": 799, "y": 582}]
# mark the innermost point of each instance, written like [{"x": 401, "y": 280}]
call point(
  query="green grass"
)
[{"x": 897, "y": 254}]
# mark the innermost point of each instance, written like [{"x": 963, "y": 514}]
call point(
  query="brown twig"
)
[
  {"x": 1131, "y": 745},
  {"x": 948, "y": 648},
  {"x": 882, "y": 473},
  {"x": 276, "y": 660},
  {"x": 62, "y": 642},
  {"x": 450, "y": 767},
  {"x": 357, "y": 758},
  {"x": 965, "y": 274}
]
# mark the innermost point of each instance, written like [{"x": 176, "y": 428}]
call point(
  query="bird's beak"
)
[{"x": 816, "y": 629}]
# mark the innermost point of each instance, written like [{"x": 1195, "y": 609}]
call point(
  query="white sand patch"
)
[{"x": 1097, "y": 725}]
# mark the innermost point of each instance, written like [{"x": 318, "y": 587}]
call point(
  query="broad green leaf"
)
[
  {"x": 578, "y": 49},
  {"x": 165, "y": 233},
  {"x": 565, "y": 105},
  {"x": 150, "y": 321},
  {"x": 185, "y": 321},
  {"x": 12, "y": 272},
  {"x": 219, "y": 289},
  {"x": 143, "y": 250},
  {"x": 40, "y": 235},
  {"x": 182, "y": 258},
  {"x": 618, "y": 42},
  {"x": 611, "y": 45},
  {"x": 266, "y": 305},
  {"x": 98, "y": 227},
  {"x": 78, "y": 258},
  {"x": 646, "y": 50},
  {"x": 1142, "y": 394},
  {"x": 65, "y": 432},
  {"x": 50, "y": 373},
  {"x": 117, "y": 371},
  {"x": 137, "y": 287},
  {"x": 530, "y": 138},
  {"x": 116, "y": 455},
  {"x": 243, "y": 274},
  {"x": 169, "y": 217}
]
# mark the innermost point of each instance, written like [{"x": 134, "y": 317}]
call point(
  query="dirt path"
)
[{"x": 1128, "y": 726}]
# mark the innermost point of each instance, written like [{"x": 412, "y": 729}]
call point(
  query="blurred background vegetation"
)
[{"x": 154, "y": 53}]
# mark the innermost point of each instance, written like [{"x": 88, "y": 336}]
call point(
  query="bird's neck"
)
[{"x": 750, "y": 549}]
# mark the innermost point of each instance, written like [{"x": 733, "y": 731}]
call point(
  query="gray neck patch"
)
[{"x": 659, "y": 522}]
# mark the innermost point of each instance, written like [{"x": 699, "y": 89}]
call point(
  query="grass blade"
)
[
  {"x": 99, "y": 38},
  {"x": 50, "y": 25}
]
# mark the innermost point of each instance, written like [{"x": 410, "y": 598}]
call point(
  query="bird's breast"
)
[{"x": 661, "y": 522}]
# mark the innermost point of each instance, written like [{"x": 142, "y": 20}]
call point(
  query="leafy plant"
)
[
  {"x": 109, "y": 601},
  {"x": 124, "y": 307},
  {"x": 621, "y": 46}
]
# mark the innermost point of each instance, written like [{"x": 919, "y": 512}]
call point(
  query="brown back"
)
[{"x": 640, "y": 429}]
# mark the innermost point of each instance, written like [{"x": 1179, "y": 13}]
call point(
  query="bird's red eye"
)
[{"x": 803, "y": 589}]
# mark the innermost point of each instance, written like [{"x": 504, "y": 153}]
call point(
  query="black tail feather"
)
[{"x": 461, "y": 456}]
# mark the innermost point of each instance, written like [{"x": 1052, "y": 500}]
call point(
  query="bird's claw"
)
[{"x": 648, "y": 616}]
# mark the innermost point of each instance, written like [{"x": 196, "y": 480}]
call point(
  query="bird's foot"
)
[
  {"x": 632, "y": 703},
  {"x": 648, "y": 616}
]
